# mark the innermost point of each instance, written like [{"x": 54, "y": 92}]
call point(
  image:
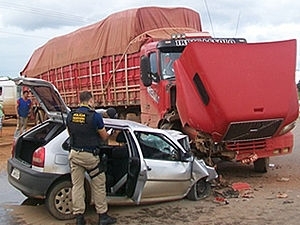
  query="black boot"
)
[
  {"x": 105, "y": 219},
  {"x": 80, "y": 219}
]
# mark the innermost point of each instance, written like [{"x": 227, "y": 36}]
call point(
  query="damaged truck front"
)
[{"x": 236, "y": 100}]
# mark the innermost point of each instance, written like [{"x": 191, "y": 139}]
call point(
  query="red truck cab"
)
[{"x": 235, "y": 100}]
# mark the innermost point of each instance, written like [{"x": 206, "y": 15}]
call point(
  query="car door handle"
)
[{"x": 149, "y": 168}]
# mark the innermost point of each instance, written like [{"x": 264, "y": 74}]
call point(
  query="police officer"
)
[{"x": 87, "y": 132}]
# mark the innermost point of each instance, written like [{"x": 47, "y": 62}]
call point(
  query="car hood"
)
[{"x": 46, "y": 96}]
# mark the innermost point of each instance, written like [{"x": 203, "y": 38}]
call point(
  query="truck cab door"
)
[{"x": 150, "y": 90}]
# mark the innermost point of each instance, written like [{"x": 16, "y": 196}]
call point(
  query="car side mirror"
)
[
  {"x": 186, "y": 157},
  {"x": 145, "y": 71}
]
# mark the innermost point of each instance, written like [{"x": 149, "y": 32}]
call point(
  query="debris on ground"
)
[
  {"x": 283, "y": 179},
  {"x": 225, "y": 191},
  {"x": 282, "y": 195},
  {"x": 246, "y": 194},
  {"x": 271, "y": 165},
  {"x": 288, "y": 202},
  {"x": 221, "y": 200},
  {"x": 240, "y": 186}
]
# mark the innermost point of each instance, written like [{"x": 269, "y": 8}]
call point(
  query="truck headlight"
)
[{"x": 287, "y": 128}]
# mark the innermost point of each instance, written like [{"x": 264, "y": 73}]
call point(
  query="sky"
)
[{"x": 27, "y": 25}]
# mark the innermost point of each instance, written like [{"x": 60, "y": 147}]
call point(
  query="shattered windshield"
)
[{"x": 167, "y": 61}]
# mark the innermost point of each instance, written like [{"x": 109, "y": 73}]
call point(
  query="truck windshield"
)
[{"x": 166, "y": 61}]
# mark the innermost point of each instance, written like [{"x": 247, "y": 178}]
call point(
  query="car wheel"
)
[
  {"x": 59, "y": 200},
  {"x": 200, "y": 190},
  {"x": 261, "y": 165}
]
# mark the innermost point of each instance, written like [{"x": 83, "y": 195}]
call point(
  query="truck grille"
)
[
  {"x": 246, "y": 145},
  {"x": 243, "y": 131}
]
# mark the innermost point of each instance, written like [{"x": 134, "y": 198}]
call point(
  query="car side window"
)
[{"x": 157, "y": 146}]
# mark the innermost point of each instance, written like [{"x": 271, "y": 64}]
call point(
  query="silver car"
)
[{"x": 144, "y": 165}]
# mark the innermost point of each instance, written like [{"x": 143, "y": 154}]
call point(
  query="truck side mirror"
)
[{"x": 145, "y": 71}]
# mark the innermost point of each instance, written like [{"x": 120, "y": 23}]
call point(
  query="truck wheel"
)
[
  {"x": 59, "y": 200},
  {"x": 261, "y": 165},
  {"x": 200, "y": 190}
]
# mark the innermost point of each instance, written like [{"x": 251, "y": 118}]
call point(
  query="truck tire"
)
[
  {"x": 200, "y": 190},
  {"x": 59, "y": 200},
  {"x": 261, "y": 165}
]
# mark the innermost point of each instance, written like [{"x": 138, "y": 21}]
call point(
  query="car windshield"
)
[{"x": 167, "y": 61}]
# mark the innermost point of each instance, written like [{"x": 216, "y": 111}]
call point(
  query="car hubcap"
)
[{"x": 63, "y": 201}]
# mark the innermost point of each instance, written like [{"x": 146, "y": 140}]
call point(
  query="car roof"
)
[
  {"x": 135, "y": 126},
  {"x": 126, "y": 123}
]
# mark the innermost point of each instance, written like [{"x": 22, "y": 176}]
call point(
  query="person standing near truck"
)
[
  {"x": 87, "y": 132},
  {"x": 23, "y": 108}
]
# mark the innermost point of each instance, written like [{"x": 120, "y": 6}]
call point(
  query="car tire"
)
[
  {"x": 59, "y": 200},
  {"x": 200, "y": 190},
  {"x": 261, "y": 165}
]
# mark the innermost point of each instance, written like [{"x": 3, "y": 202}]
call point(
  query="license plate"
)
[{"x": 15, "y": 173}]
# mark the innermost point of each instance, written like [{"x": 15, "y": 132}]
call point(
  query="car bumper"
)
[{"x": 31, "y": 183}]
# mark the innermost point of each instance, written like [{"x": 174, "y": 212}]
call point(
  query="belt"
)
[{"x": 83, "y": 150}]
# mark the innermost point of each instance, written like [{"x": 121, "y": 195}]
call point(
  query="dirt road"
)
[{"x": 273, "y": 198}]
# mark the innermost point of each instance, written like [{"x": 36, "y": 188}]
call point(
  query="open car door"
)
[{"x": 137, "y": 172}]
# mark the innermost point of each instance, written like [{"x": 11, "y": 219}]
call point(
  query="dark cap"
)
[{"x": 112, "y": 113}]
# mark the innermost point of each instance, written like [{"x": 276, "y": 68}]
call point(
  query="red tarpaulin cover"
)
[{"x": 121, "y": 32}]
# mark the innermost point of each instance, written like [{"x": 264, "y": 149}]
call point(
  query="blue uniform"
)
[
  {"x": 83, "y": 125},
  {"x": 23, "y": 107}
]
